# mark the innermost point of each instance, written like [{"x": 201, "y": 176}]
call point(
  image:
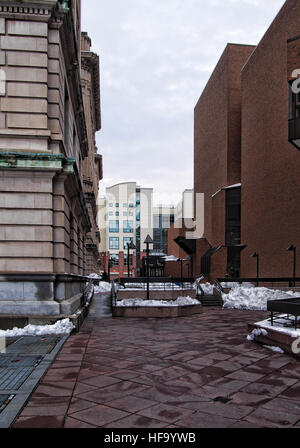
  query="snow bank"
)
[
  {"x": 61, "y": 327},
  {"x": 181, "y": 301},
  {"x": 103, "y": 287},
  {"x": 243, "y": 297},
  {"x": 256, "y": 332}
]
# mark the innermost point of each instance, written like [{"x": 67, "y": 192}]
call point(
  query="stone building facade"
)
[{"x": 49, "y": 166}]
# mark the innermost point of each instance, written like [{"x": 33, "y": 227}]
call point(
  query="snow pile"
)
[
  {"x": 256, "y": 332},
  {"x": 250, "y": 298},
  {"x": 61, "y": 327},
  {"x": 171, "y": 258},
  {"x": 274, "y": 349},
  {"x": 235, "y": 285},
  {"x": 207, "y": 288},
  {"x": 95, "y": 276},
  {"x": 103, "y": 287},
  {"x": 181, "y": 301}
]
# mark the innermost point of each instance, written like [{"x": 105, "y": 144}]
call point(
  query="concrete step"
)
[{"x": 210, "y": 300}]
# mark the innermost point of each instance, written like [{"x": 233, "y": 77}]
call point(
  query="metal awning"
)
[{"x": 188, "y": 245}]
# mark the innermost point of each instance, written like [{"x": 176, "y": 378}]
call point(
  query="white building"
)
[{"x": 125, "y": 215}]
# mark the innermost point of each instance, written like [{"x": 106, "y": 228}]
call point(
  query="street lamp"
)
[
  {"x": 181, "y": 271},
  {"x": 255, "y": 255},
  {"x": 293, "y": 249},
  {"x": 132, "y": 246},
  {"x": 148, "y": 241}
]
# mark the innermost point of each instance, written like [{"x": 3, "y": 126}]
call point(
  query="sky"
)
[{"x": 155, "y": 60}]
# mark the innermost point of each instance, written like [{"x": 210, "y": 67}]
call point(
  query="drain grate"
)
[
  {"x": 4, "y": 401},
  {"x": 28, "y": 345},
  {"x": 223, "y": 400},
  {"x": 12, "y": 379},
  {"x": 19, "y": 361}
]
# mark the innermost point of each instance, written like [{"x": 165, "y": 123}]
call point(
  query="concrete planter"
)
[
  {"x": 163, "y": 312},
  {"x": 156, "y": 294},
  {"x": 275, "y": 339}
]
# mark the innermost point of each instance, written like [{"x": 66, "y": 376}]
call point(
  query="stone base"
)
[
  {"x": 45, "y": 298},
  {"x": 275, "y": 339},
  {"x": 157, "y": 312}
]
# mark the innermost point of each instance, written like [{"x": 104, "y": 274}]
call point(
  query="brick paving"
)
[{"x": 195, "y": 372}]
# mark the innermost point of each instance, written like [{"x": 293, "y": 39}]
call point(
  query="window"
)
[
  {"x": 117, "y": 213},
  {"x": 294, "y": 104},
  {"x": 114, "y": 243},
  {"x": 111, "y": 205},
  {"x": 111, "y": 214},
  {"x": 114, "y": 226},
  {"x": 125, "y": 205},
  {"x": 131, "y": 206},
  {"x": 114, "y": 260},
  {"x": 125, "y": 213},
  {"x": 128, "y": 227},
  {"x": 126, "y": 241},
  {"x": 117, "y": 205},
  {"x": 130, "y": 213},
  {"x": 130, "y": 260}
]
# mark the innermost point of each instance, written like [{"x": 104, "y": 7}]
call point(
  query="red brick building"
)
[
  {"x": 120, "y": 268},
  {"x": 244, "y": 163}
]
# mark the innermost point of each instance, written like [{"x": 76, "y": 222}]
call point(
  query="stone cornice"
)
[
  {"x": 28, "y": 10},
  {"x": 90, "y": 62}
]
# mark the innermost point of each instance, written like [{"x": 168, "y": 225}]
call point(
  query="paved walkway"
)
[{"x": 195, "y": 372}]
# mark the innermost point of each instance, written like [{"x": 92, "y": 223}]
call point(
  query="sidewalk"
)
[{"x": 190, "y": 372}]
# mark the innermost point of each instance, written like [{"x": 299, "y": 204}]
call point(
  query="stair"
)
[{"x": 210, "y": 300}]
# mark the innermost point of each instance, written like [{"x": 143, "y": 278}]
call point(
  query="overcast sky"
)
[{"x": 156, "y": 57}]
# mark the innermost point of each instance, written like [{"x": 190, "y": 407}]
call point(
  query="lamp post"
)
[
  {"x": 148, "y": 241},
  {"x": 255, "y": 255},
  {"x": 109, "y": 265},
  {"x": 181, "y": 271},
  {"x": 293, "y": 249},
  {"x": 133, "y": 247}
]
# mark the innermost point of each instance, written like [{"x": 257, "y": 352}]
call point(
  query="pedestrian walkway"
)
[{"x": 194, "y": 372}]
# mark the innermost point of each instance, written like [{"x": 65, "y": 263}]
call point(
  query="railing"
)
[
  {"x": 199, "y": 289},
  {"x": 114, "y": 294},
  {"x": 161, "y": 283}
]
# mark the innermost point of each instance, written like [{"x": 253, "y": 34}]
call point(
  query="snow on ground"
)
[
  {"x": 61, "y": 327},
  {"x": 181, "y": 301},
  {"x": 154, "y": 286},
  {"x": 207, "y": 288},
  {"x": 234, "y": 285},
  {"x": 103, "y": 287},
  {"x": 274, "y": 349},
  {"x": 256, "y": 332},
  {"x": 250, "y": 298}
]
